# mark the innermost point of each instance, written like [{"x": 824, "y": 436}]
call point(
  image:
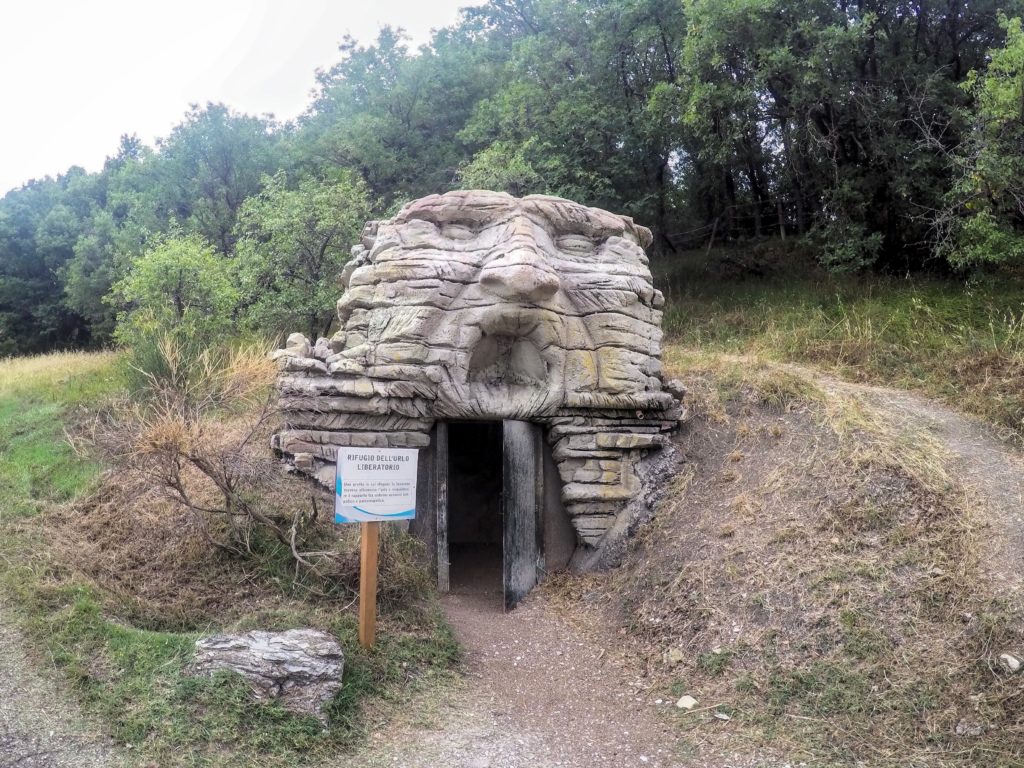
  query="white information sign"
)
[{"x": 375, "y": 484}]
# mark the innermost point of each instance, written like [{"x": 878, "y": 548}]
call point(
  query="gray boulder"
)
[{"x": 301, "y": 667}]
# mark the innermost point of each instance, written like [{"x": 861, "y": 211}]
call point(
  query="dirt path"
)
[
  {"x": 39, "y": 725},
  {"x": 539, "y": 694},
  {"x": 991, "y": 470}
]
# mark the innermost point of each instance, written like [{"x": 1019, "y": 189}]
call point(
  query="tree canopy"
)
[
  {"x": 292, "y": 247},
  {"x": 881, "y": 135}
]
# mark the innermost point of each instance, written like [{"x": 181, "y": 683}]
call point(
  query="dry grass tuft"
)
[
  {"x": 197, "y": 520},
  {"x": 158, "y": 570},
  {"x": 874, "y": 437}
]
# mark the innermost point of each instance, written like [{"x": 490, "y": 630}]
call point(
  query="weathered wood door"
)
[
  {"x": 522, "y": 477},
  {"x": 441, "y": 504}
]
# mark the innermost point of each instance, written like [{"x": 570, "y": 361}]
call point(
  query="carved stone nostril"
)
[{"x": 520, "y": 281}]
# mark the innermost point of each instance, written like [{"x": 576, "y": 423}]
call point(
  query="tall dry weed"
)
[{"x": 198, "y": 434}]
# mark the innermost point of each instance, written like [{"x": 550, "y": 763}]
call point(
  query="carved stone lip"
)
[
  {"x": 539, "y": 325},
  {"x": 509, "y": 320}
]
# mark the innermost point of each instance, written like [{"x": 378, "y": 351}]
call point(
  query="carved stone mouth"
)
[
  {"x": 508, "y": 352},
  {"x": 507, "y": 360}
]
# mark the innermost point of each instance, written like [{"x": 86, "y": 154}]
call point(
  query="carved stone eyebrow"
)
[
  {"x": 566, "y": 218},
  {"x": 456, "y": 208}
]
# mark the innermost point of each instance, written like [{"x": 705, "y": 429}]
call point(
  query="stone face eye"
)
[
  {"x": 424, "y": 226},
  {"x": 457, "y": 231},
  {"x": 575, "y": 244}
]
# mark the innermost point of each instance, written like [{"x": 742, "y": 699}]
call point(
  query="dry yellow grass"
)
[{"x": 46, "y": 372}]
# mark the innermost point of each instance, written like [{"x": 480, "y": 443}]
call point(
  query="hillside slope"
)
[{"x": 830, "y": 577}]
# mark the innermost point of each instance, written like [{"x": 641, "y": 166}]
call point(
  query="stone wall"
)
[{"x": 479, "y": 305}]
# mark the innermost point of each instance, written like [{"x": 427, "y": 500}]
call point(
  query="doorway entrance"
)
[
  {"x": 489, "y": 486},
  {"x": 474, "y": 508}
]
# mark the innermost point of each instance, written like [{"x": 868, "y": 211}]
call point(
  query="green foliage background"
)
[{"x": 875, "y": 136}]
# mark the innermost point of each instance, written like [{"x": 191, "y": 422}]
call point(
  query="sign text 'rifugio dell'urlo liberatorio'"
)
[{"x": 375, "y": 484}]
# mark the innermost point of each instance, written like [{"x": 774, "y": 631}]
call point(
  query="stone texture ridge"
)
[
  {"x": 480, "y": 305},
  {"x": 301, "y": 667}
]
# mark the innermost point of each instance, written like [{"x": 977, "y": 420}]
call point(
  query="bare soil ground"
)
[
  {"x": 541, "y": 693},
  {"x": 40, "y": 725}
]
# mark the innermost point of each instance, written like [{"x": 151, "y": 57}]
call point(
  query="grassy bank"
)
[
  {"x": 125, "y": 652},
  {"x": 962, "y": 342},
  {"x": 819, "y": 580}
]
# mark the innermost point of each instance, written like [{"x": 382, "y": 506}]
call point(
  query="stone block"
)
[
  {"x": 595, "y": 492},
  {"x": 628, "y": 441},
  {"x": 302, "y": 668}
]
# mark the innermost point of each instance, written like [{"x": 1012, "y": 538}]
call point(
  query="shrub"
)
[{"x": 177, "y": 304}]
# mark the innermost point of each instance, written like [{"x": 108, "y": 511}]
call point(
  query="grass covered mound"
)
[
  {"x": 113, "y": 581},
  {"x": 818, "y": 581}
]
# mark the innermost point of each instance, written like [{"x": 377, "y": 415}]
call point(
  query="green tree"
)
[
  {"x": 115, "y": 232},
  {"x": 577, "y": 103},
  {"x": 37, "y": 232},
  {"x": 292, "y": 246},
  {"x": 393, "y": 116},
  {"x": 209, "y": 165},
  {"x": 985, "y": 221},
  {"x": 178, "y": 287},
  {"x": 818, "y": 107},
  {"x": 505, "y": 168}
]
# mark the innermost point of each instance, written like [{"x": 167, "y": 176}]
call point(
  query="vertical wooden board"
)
[
  {"x": 522, "y": 474},
  {"x": 369, "y": 546},
  {"x": 424, "y": 525},
  {"x": 441, "y": 502},
  {"x": 559, "y": 537}
]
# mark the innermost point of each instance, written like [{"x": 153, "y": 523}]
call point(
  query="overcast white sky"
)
[{"x": 76, "y": 74}]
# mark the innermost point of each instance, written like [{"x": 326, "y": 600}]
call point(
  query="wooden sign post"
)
[
  {"x": 369, "y": 547},
  {"x": 373, "y": 485}
]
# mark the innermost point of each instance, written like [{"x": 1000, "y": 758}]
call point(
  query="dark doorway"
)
[
  {"x": 475, "y": 530},
  {"x": 488, "y": 488}
]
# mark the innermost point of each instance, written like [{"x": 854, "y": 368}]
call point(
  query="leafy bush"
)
[
  {"x": 293, "y": 244},
  {"x": 180, "y": 286},
  {"x": 177, "y": 307}
]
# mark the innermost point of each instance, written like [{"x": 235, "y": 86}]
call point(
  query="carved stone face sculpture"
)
[
  {"x": 514, "y": 307},
  {"x": 479, "y": 305}
]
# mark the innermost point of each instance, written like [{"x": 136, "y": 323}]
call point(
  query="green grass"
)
[
  {"x": 136, "y": 682},
  {"x": 714, "y": 662},
  {"x": 132, "y": 679},
  {"x": 37, "y": 397},
  {"x": 962, "y": 342}
]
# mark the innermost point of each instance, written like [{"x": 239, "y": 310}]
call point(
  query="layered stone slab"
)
[{"x": 479, "y": 305}]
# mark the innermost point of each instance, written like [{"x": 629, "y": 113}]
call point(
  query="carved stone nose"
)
[{"x": 520, "y": 275}]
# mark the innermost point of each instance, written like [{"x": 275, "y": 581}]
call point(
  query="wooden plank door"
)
[
  {"x": 522, "y": 479},
  {"x": 441, "y": 504}
]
